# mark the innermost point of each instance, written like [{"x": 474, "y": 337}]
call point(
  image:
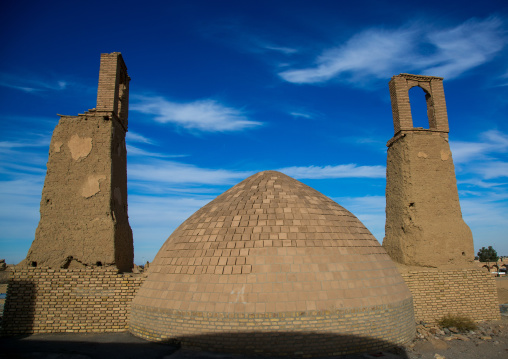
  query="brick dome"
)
[{"x": 274, "y": 266}]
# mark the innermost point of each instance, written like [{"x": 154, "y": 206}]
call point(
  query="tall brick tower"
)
[
  {"x": 424, "y": 225},
  {"x": 83, "y": 209}
]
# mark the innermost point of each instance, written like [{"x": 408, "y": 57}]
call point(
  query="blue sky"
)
[{"x": 224, "y": 89}]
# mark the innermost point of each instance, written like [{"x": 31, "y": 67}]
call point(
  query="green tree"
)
[{"x": 487, "y": 254}]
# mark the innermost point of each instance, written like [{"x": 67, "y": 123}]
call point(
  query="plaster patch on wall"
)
[
  {"x": 445, "y": 155},
  {"x": 57, "y": 146},
  {"x": 92, "y": 185},
  {"x": 423, "y": 155},
  {"x": 80, "y": 147},
  {"x": 118, "y": 195}
]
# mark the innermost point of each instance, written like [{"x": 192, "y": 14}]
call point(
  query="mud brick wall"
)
[
  {"x": 437, "y": 293},
  {"x": 43, "y": 300},
  {"x": 424, "y": 224},
  {"x": 84, "y": 215}
]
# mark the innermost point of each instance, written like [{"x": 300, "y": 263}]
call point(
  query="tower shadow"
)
[{"x": 288, "y": 344}]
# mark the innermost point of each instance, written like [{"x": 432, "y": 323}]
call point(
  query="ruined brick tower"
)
[
  {"x": 83, "y": 209},
  {"x": 424, "y": 225}
]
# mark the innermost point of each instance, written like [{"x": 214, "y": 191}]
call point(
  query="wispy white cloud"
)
[
  {"x": 478, "y": 183},
  {"x": 481, "y": 168},
  {"x": 171, "y": 172},
  {"x": 464, "y": 47},
  {"x": 248, "y": 39},
  {"x": 136, "y": 137},
  {"x": 202, "y": 115},
  {"x": 371, "y": 52},
  {"x": 301, "y": 115},
  {"x": 15, "y": 169},
  {"x": 464, "y": 151},
  {"x": 339, "y": 171},
  {"x": 21, "y": 88},
  {"x": 376, "y": 142},
  {"x": 166, "y": 176},
  {"x": 139, "y": 152},
  {"x": 136, "y": 151},
  {"x": 493, "y": 169},
  {"x": 380, "y": 53},
  {"x": 492, "y": 141},
  {"x": 483, "y": 159},
  {"x": 281, "y": 49},
  {"x": 20, "y": 198},
  {"x": 39, "y": 142},
  {"x": 30, "y": 85},
  {"x": 303, "y": 112},
  {"x": 43, "y": 124},
  {"x": 17, "y": 158}
]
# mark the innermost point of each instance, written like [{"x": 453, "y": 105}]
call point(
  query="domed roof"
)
[{"x": 272, "y": 247}]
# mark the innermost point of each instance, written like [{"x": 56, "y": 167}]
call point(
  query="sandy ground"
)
[{"x": 126, "y": 346}]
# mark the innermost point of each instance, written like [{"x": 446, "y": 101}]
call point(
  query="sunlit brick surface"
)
[
  {"x": 272, "y": 247},
  {"x": 438, "y": 292}
]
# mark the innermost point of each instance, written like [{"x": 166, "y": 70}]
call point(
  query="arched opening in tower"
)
[{"x": 418, "y": 100}]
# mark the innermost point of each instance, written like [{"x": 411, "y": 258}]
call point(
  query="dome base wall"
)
[{"x": 300, "y": 333}]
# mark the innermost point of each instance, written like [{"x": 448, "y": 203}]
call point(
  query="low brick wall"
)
[
  {"x": 437, "y": 293},
  {"x": 43, "y": 300}
]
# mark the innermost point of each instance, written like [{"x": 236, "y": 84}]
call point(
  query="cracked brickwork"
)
[{"x": 83, "y": 208}]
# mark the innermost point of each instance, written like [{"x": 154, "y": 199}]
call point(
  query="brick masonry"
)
[
  {"x": 399, "y": 86},
  {"x": 438, "y": 292},
  {"x": 324, "y": 332},
  {"x": 44, "y": 300},
  {"x": 272, "y": 255}
]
